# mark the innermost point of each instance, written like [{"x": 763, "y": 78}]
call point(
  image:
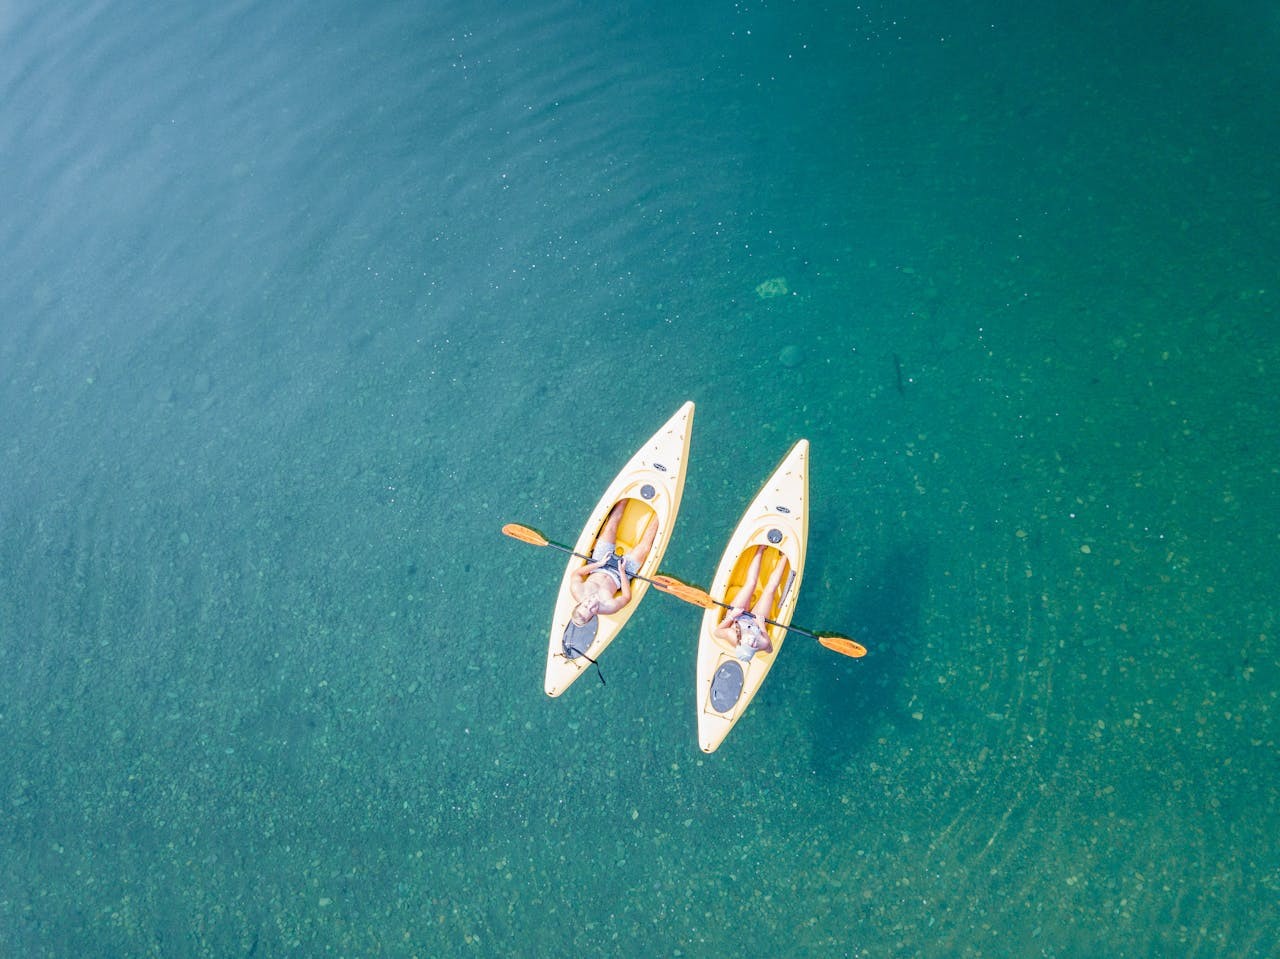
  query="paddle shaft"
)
[
  {"x": 690, "y": 594},
  {"x": 854, "y": 649},
  {"x": 572, "y": 552},
  {"x": 700, "y": 597},
  {"x": 773, "y": 622}
]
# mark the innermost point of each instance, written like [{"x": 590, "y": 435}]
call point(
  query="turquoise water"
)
[{"x": 301, "y": 302}]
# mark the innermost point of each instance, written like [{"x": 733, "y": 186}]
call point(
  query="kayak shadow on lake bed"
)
[{"x": 846, "y": 704}]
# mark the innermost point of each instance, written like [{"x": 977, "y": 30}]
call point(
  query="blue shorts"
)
[{"x": 606, "y": 552}]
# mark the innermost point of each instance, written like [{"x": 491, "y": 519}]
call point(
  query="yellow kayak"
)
[
  {"x": 651, "y": 485},
  {"x": 778, "y": 519}
]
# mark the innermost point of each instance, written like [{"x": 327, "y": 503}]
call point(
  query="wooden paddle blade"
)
[
  {"x": 525, "y": 534},
  {"x": 690, "y": 594},
  {"x": 844, "y": 646}
]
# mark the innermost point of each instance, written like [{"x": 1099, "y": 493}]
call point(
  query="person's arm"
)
[
  {"x": 579, "y": 578},
  {"x": 722, "y": 631},
  {"x": 624, "y": 591},
  {"x": 582, "y": 572}
]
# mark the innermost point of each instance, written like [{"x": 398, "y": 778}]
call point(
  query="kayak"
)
[
  {"x": 778, "y": 518},
  {"x": 651, "y": 483}
]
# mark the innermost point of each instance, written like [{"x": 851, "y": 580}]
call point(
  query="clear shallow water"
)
[{"x": 302, "y": 303}]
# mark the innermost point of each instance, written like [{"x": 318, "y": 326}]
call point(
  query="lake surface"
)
[{"x": 301, "y": 302}]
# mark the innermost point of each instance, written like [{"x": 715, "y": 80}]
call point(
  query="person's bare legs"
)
[
  {"x": 743, "y": 599},
  {"x": 641, "y": 552},
  {"x": 764, "y": 606},
  {"x": 609, "y": 534}
]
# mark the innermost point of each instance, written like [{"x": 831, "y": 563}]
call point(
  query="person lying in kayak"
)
[
  {"x": 743, "y": 628},
  {"x": 603, "y": 585}
]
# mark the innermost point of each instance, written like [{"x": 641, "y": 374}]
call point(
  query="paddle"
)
[
  {"x": 531, "y": 536},
  {"x": 691, "y": 594}
]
